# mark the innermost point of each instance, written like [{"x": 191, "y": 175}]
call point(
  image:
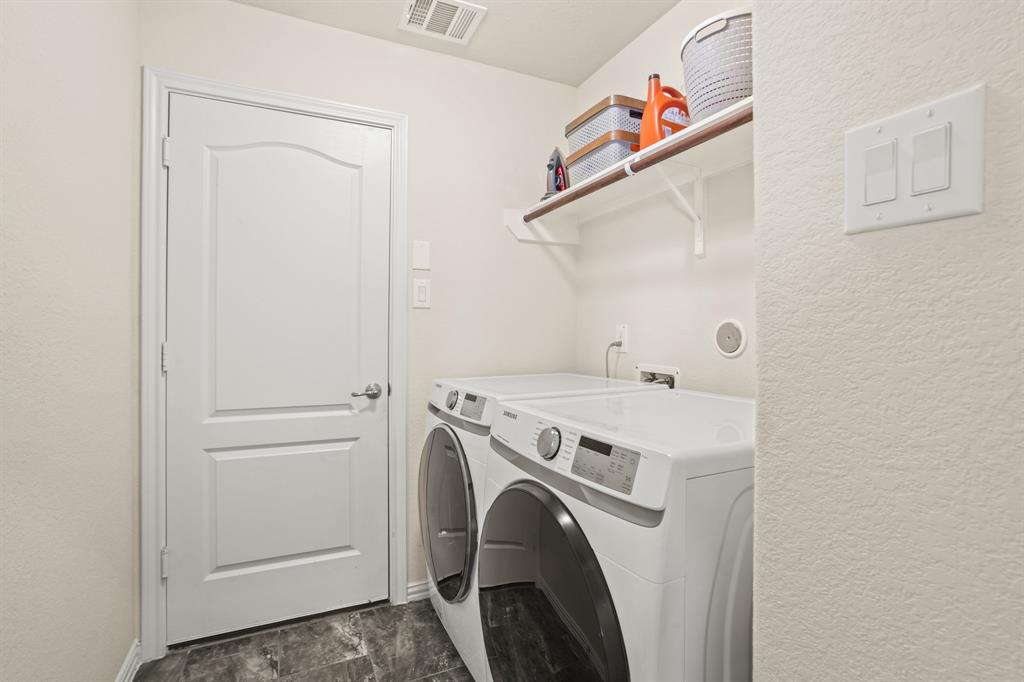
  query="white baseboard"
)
[
  {"x": 417, "y": 591},
  {"x": 131, "y": 663}
]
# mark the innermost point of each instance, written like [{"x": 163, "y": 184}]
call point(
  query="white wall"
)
[
  {"x": 478, "y": 141},
  {"x": 888, "y": 470},
  {"x": 888, "y": 474},
  {"x": 69, "y": 130},
  {"x": 637, "y": 266}
]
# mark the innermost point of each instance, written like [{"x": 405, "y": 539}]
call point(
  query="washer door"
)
[
  {"x": 447, "y": 513},
  {"x": 545, "y": 607}
]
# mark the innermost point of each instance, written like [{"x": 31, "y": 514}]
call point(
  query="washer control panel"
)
[
  {"x": 605, "y": 464},
  {"x": 625, "y": 471}
]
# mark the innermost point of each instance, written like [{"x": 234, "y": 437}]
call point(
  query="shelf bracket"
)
[
  {"x": 694, "y": 211},
  {"x": 557, "y": 231}
]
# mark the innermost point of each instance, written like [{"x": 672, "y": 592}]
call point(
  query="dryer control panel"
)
[
  {"x": 617, "y": 468},
  {"x": 473, "y": 406},
  {"x": 463, "y": 404}
]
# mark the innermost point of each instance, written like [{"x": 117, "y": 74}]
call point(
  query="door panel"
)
[
  {"x": 276, "y": 503},
  {"x": 302, "y": 314},
  {"x": 277, "y": 281}
]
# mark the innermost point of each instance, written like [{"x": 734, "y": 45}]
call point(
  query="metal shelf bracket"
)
[
  {"x": 553, "y": 230},
  {"x": 694, "y": 211}
]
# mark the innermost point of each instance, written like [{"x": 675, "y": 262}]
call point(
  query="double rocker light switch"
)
[{"x": 922, "y": 165}]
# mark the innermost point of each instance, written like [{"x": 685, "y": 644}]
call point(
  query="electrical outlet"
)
[{"x": 622, "y": 334}]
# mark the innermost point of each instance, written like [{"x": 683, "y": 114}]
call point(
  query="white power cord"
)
[{"x": 613, "y": 344}]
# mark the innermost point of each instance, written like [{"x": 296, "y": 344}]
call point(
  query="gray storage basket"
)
[
  {"x": 608, "y": 154},
  {"x": 718, "y": 63},
  {"x": 616, "y": 112}
]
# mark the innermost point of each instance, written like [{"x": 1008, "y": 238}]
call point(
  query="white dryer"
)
[
  {"x": 451, "y": 481},
  {"x": 617, "y": 540}
]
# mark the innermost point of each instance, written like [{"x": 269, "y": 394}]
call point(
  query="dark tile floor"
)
[
  {"x": 377, "y": 644},
  {"x": 527, "y": 640}
]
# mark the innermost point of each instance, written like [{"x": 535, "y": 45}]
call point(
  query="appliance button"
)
[{"x": 452, "y": 400}]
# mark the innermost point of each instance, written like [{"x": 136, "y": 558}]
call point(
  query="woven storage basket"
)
[
  {"x": 607, "y": 150},
  {"x": 616, "y": 112},
  {"x": 718, "y": 63}
]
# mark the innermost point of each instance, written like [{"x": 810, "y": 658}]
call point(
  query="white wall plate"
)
[
  {"x": 421, "y": 293},
  {"x": 420, "y": 255},
  {"x": 925, "y": 164}
]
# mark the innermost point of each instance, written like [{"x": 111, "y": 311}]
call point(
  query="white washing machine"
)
[
  {"x": 618, "y": 538},
  {"x": 451, "y": 479}
]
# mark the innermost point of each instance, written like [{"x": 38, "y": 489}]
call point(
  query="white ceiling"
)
[{"x": 560, "y": 40}]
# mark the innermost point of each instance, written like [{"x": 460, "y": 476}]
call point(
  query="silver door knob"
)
[{"x": 372, "y": 391}]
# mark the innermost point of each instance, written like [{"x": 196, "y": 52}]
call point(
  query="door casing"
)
[{"x": 157, "y": 88}]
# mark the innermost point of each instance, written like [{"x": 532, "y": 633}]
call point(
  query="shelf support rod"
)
[{"x": 693, "y": 211}]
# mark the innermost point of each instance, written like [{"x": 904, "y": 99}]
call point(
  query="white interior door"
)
[{"x": 277, "y": 310}]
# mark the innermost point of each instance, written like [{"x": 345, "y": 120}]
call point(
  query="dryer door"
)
[
  {"x": 545, "y": 607},
  {"x": 447, "y": 513}
]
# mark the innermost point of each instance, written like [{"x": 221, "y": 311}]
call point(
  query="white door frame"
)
[{"x": 157, "y": 88}]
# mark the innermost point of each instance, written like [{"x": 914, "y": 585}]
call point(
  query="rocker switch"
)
[
  {"x": 880, "y": 173},
  {"x": 931, "y": 160}
]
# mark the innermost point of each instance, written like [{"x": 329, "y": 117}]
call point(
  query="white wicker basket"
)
[{"x": 718, "y": 63}]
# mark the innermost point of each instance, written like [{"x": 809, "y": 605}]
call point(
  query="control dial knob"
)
[
  {"x": 452, "y": 399},
  {"x": 548, "y": 442}
]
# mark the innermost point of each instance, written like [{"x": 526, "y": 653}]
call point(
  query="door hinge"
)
[
  {"x": 166, "y": 152},
  {"x": 163, "y": 358},
  {"x": 163, "y": 562}
]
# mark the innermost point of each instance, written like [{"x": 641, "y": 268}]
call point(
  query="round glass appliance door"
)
[
  {"x": 545, "y": 607},
  {"x": 447, "y": 513}
]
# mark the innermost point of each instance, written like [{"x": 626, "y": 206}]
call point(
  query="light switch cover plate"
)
[
  {"x": 928, "y": 186},
  {"x": 420, "y": 255},
  {"x": 421, "y": 293}
]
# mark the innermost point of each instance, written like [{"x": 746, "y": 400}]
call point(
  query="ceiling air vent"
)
[{"x": 451, "y": 20}]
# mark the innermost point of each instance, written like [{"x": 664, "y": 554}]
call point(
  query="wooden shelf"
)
[{"x": 715, "y": 145}]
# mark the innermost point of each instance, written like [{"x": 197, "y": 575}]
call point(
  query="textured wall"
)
[
  {"x": 888, "y": 513},
  {"x": 69, "y": 131},
  {"x": 636, "y": 266},
  {"x": 478, "y": 140}
]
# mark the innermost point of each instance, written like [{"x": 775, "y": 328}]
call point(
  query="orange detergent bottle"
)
[{"x": 660, "y": 99}]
